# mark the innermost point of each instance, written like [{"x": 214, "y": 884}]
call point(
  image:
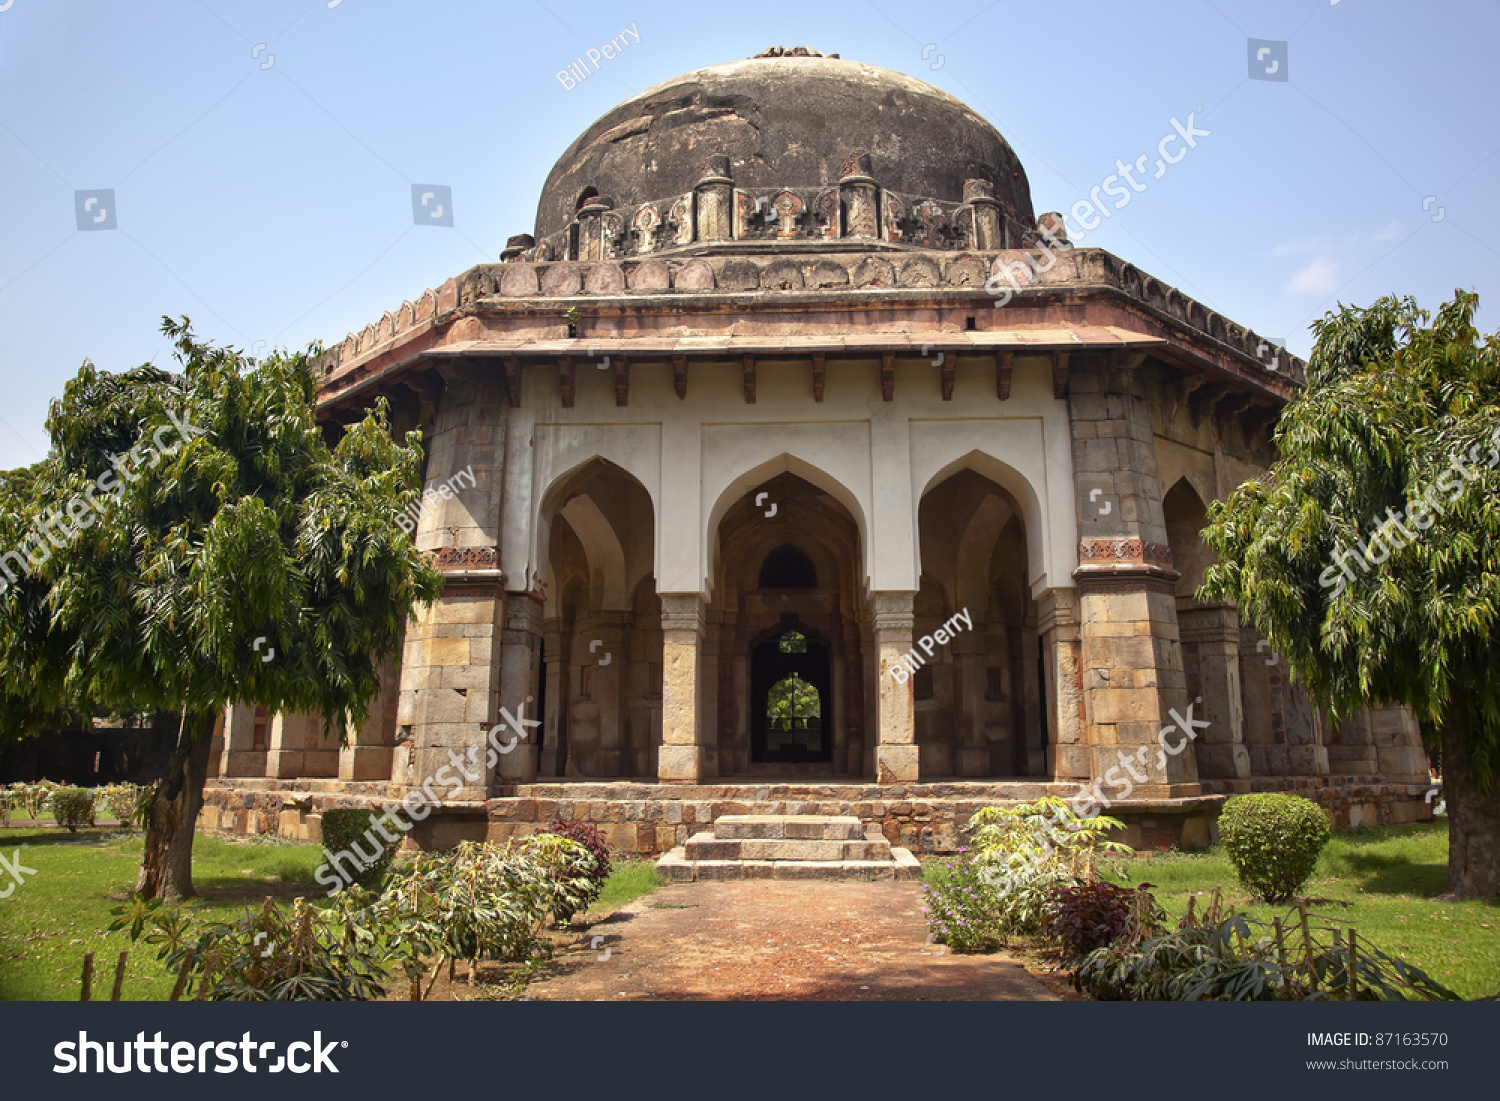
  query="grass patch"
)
[
  {"x": 629, "y": 880},
  {"x": 1380, "y": 878},
  {"x": 62, "y": 911}
]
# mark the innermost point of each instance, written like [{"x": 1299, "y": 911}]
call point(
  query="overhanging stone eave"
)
[{"x": 1023, "y": 342}]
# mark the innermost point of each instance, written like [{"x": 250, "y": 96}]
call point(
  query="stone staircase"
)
[{"x": 789, "y": 846}]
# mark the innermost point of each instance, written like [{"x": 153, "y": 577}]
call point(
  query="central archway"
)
[
  {"x": 787, "y": 604},
  {"x": 791, "y": 689}
]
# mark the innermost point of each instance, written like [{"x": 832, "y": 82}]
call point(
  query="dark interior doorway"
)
[{"x": 791, "y": 698}]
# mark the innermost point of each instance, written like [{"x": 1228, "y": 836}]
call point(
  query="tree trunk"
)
[
  {"x": 167, "y": 862},
  {"x": 1473, "y": 818}
]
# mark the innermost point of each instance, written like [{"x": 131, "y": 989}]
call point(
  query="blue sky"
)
[{"x": 262, "y": 154}]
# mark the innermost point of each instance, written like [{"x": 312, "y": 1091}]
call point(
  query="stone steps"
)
[{"x": 800, "y": 846}]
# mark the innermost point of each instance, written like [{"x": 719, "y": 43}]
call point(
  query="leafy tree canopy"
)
[
  {"x": 1400, "y": 420},
  {"x": 181, "y": 517}
]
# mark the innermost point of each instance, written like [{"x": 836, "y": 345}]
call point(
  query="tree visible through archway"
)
[{"x": 791, "y": 699}]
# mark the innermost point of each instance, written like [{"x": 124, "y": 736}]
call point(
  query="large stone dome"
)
[{"x": 784, "y": 122}]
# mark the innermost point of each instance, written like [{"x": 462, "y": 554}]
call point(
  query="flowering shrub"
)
[
  {"x": 119, "y": 800},
  {"x": 960, "y": 905},
  {"x": 32, "y": 798}
]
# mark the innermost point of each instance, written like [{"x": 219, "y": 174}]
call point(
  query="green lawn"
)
[
  {"x": 61, "y": 912},
  {"x": 629, "y": 880},
  {"x": 1382, "y": 879}
]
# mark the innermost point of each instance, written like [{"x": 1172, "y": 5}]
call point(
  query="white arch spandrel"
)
[
  {"x": 725, "y": 484},
  {"x": 541, "y": 458},
  {"x": 1029, "y": 458}
]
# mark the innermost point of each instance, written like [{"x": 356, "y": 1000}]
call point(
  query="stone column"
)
[
  {"x": 240, "y": 757},
  {"x": 1131, "y": 652},
  {"x": 1398, "y": 745},
  {"x": 520, "y": 666},
  {"x": 450, "y": 661},
  {"x": 835, "y": 714},
  {"x": 552, "y": 754},
  {"x": 1351, "y": 747},
  {"x": 708, "y": 707},
  {"x": 600, "y": 649},
  {"x": 1211, "y": 658},
  {"x": 970, "y": 654},
  {"x": 896, "y": 729},
  {"x": 714, "y": 194},
  {"x": 1067, "y": 752},
  {"x": 368, "y": 756},
  {"x": 216, "y": 744},
  {"x": 854, "y": 698},
  {"x": 299, "y": 749},
  {"x": 681, "y": 759},
  {"x": 1034, "y": 725}
]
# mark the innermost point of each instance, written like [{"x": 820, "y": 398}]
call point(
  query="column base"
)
[
  {"x": 519, "y": 766},
  {"x": 1223, "y": 762},
  {"x": 679, "y": 764},
  {"x": 366, "y": 762},
  {"x": 896, "y": 764}
]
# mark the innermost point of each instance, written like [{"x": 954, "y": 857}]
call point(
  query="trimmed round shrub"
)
[
  {"x": 351, "y": 830},
  {"x": 1273, "y": 840},
  {"x": 73, "y": 807},
  {"x": 590, "y": 837}
]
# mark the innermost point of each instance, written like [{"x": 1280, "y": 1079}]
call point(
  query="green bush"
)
[
  {"x": 1273, "y": 841},
  {"x": 119, "y": 801},
  {"x": 1231, "y": 958},
  {"x": 266, "y": 955},
  {"x": 73, "y": 807},
  {"x": 597, "y": 867},
  {"x": 1026, "y": 852},
  {"x": 352, "y": 830}
]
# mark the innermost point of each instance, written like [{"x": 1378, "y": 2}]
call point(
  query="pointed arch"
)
[
  {"x": 1008, "y": 478},
  {"x": 784, "y": 463},
  {"x": 613, "y": 551}
]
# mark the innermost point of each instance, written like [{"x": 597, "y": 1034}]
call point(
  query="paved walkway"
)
[{"x": 771, "y": 940}]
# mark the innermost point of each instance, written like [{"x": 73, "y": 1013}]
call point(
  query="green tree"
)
[
  {"x": 183, "y": 527},
  {"x": 1370, "y": 557},
  {"x": 793, "y": 698}
]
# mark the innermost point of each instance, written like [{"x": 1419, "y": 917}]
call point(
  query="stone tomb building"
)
[{"x": 743, "y": 427}]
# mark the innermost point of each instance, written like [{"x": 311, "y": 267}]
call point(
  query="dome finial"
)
[{"x": 795, "y": 51}]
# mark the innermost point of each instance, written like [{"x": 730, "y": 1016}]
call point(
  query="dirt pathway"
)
[{"x": 769, "y": 940}]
